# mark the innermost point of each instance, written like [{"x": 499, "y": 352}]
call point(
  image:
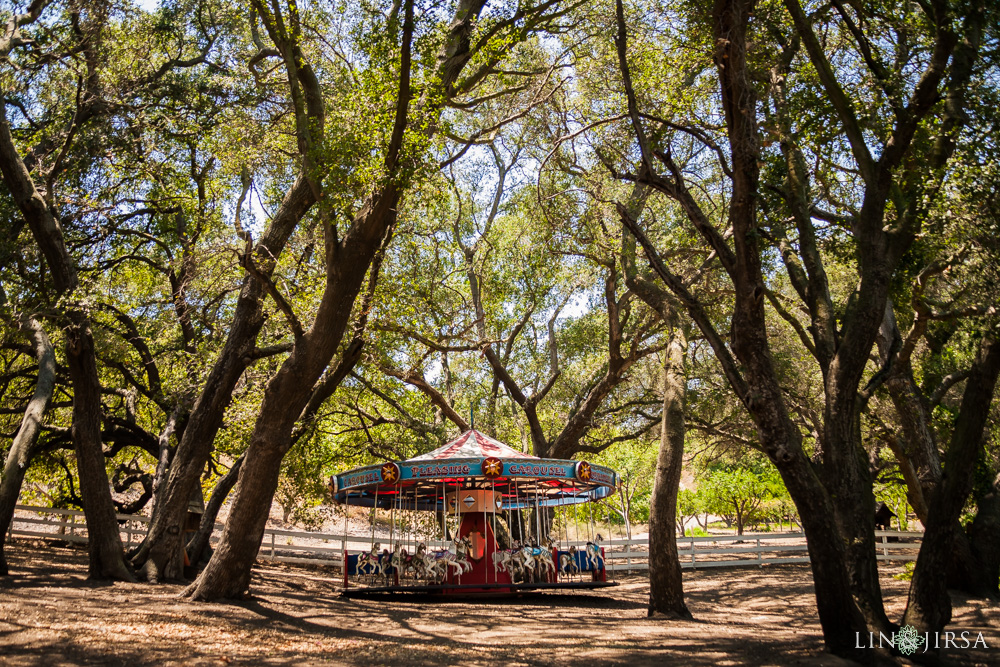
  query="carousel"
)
[{"x": 476, "y": 516}]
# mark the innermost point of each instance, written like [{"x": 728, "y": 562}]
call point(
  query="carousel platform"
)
[{"x": 464, "y": 591}]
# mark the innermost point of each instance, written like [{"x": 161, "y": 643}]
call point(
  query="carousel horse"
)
[
  {"x": 444, "y": 559},
  {"x": 526, "y": 559},
  {"x": 594, "y": 553},
  {"x": 370, "y": 561},
  {"x": 567, "y": 562},
  {"x": 399, "y": 558},
  {"x": 420, "y": 570},
  {"x": 385, "y": 564},
  {"x": 462, "y": 548},
  {"x": 508, "y": 560},
  {"x": 543, "y": 560},
  {"x": 503, "y": 558},
  {"x": 431, "y": 566}
]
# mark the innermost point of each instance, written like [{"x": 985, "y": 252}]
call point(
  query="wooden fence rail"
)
[{"x": 304, "y": 547}]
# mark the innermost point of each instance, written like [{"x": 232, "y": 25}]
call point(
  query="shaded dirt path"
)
[{"x": 51, "y": 615}]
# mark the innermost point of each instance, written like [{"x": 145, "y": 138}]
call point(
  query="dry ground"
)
[{"x": 50, "y": 614}]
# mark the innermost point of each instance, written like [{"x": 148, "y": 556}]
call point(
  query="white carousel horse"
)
[
  {"x": 369, "y": 560},
  {"x": 509, "y": 561},
  {"x": 543, "y": 561},
  {"x": 399, "y": 558},
  {"x": 567, "y": 562},
  {"x": 526, "y": 559},
  {"x": 462, "y": 548},
  {"x": 445, "y": 559},
  {"x": 594, "y": 553},
  {"x": 433, "y": 569},
  {"x": 503, "y": 560}
]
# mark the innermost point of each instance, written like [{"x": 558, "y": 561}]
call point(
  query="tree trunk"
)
[
  {"x": 929, "y": 606},
  {"x": 347, "y": 262},
  {"x": 917, "y": 454},
  {"x": 106, "y": 556},
  {"x": 198, "y": 549},
  {"x": 503, "y": 536},
  {"x": 848, "y": 478},
  {"x": 24, "y": 446},
  {"x": 160, "y": 553},
  {"x": 228, "y": 572},
  {"x": 518, "y": 532},
  {"x": 984, "y": 536},
  {"x": 666, "y": 587},
  {"x": 161, "y": 556}
]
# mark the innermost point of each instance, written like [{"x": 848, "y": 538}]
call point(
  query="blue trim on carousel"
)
[{"x": 555, "y": 469}]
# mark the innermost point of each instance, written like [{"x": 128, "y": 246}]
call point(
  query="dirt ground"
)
[{"x": 50, "y": 614}]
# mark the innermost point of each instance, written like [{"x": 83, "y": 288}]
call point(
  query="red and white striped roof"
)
[{"x": 473, "y": 444}]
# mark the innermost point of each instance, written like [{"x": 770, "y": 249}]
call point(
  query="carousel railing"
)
[{"x": 621, "y": 555}]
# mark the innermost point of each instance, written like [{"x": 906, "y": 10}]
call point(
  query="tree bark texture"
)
[
  {"x": 984, "y": 535},
  {"x": 666, "y": 587},
  {"x": 228, "y": 572},
  {"x": 929, "y": 607},
  {"x": 161, "y": 556},
  {"x": 198, "y": 547},
  {"x": 24, "y": 445},
  {"x": 917, "y": 454},
  {"x": 107, "y": 559}
]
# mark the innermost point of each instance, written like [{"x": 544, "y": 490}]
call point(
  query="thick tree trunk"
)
[
  {"x": 347, "y": 261},
  {"x": 929, "y": 607},
  {"x": 24, "y": 446},
  {"x": 165, "y": 453},
  {"x": 228, "y": 572},
  {"x": 840, "y": 616},
  {"x": 106, "y": 556},
  {"x": 848, "y": 479},
  {"x": 198, "y": 549},
  {"x": 843, "y": 555},
  {"x": 161, "y": 556},
  {"x": 666, "y": 587},
  {"x": 917, "y": 454},
  {"x": 984, "y": 536}
]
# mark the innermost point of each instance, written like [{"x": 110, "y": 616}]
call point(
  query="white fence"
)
[{"x": 295, "y": 546}]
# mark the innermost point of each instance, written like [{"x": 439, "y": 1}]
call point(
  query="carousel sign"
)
[{"x": 430, "y": 470}]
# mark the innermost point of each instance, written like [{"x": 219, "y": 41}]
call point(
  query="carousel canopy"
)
[
  {"x": 472, "y": 444},
  {"x": 474, "y": 460}
]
